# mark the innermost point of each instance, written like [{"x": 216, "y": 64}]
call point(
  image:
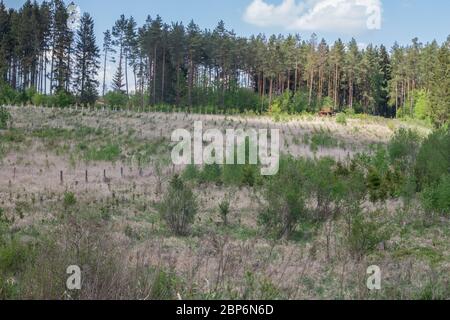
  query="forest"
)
[
  {"x": 44, "y": 61},
  {"x": 89, "y": 182}
]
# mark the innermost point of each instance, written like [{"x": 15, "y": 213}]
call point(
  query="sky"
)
[{"x": 368, "y": 21}]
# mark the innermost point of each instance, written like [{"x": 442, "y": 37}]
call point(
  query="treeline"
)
[
  {"x": 188, "y": 66},
  {"x": 41, "y": 55}
]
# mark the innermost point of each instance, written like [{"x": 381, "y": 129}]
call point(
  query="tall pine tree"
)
[{"x": 87, "y": 64}]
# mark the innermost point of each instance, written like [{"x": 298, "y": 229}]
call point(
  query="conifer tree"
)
[{"x": 87, "y": 61}]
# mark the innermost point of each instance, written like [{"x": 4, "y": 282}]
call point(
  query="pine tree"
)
[
  {"x": 5, "y": 41},
  {"x": 177, "y": 51},
  {"x": 352, "y": 59},
  {"x": 63, "y": 37},
  {"x": 119, "y": 34},
  {"x": 440, "y": 93},
  {"x": 107, "y": 49},
  {"x": 87, "y": 61}
]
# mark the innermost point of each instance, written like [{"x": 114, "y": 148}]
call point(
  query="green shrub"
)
[
  {"x": 191, "y": 172},
  {"x": 285, "y": 196},
  {"x": 178, "y": 207},
  {"x": 341, "y": 118},
  {"x": 436, "y": 198},
  {"x": 323, "y": 185},
  {"x": 69, "y": 200},
  {"x": 433, "y": 159},
  {"x": 5, "y": 118},
  {"x": 63, "y": 99},
  {"x": 403, "y": 148},
  {"x": 14, "y": 257},
  {"x": 41, "y": 100},
  {"x": 211, "y": 173},
  {"x": 377, "y": 190},
  {"x": 224, "y": 210},
  {"x": 8, "y": 95},
  {"x": 116, "y": 99},
  {"x": 164, "y": 285},
  {"x": 365, "y": 235}
]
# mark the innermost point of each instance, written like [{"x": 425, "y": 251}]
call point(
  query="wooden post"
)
[
  {"x": 121, "y": 172},
  {"x": 86, "y": 177},
  {"x": 61, "y": 178}
]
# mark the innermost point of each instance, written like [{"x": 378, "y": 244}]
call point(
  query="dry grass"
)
[{"x": 215, "y": 261}]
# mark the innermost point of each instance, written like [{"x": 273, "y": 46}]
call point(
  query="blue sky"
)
[{"x": 401, "y": 20}]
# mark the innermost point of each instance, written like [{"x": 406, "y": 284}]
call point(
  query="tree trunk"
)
[{"x": 104, "y": 74}]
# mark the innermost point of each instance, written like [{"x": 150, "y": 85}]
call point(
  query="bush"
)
[
  {"x": 211, "y": 173},
  {"x": 285, "y": 201},
  {"x": 178, "y": 207},
  {"x": 341, "y": 118},
  {"x": 436, "y": 198},
  {"x": 69, "y": 200},
  {"x": 433, "y": 159},
  {"x": 5, "y": 118},
  {"x": 403, "y": 148},
  {"x": 375, "y": 185},
  {"x": 116, "y": 99},
  {"x": 224, "y": 210},
  {"x": 41, "y": 100},
  {"x": 365, "y": 235},
  {"x": 324, "y": 185},
  {"x": 63, "y": 99}
]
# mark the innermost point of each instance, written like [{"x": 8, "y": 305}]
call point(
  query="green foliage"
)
[
  {"x": 377, "y": 190},
  {"x": 14, "y": 257},
  {"x": 178, "y": 207},
  {"x": 436, "y": 198},
  {"x": 324, "y": 186},
  {"x": 285, "y": 195},
  {"x": 116, "y": 99},
  {"x": 323, "y": 139},
  {"x": 63, "y": 99},
  {"x": 191, "y": 172},
  {"x": 282, "y": 104},
  {"x": 422, "y": 105},
  {"x": 364, "y": 235},
  {"x": 224, "y": 210},
  {"x": 327, "y": 102},
  {"x": 109, "y": 152},
  {"x": 8, "y": 95},
  {"x": 69, "y": 200},
  {"x": 41, "y": 100},
  {"x": 341, "y": 118},
  {"x": 211, "y": 173},
  {"x": 433, "y": 159},
  {"x": 164, "y": 285},
  {"x": 5, "y": 118},
  {"x": 403, "y": 147}
]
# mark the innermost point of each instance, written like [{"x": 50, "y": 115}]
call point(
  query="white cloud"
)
[{"x": 348, "y": 16}]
